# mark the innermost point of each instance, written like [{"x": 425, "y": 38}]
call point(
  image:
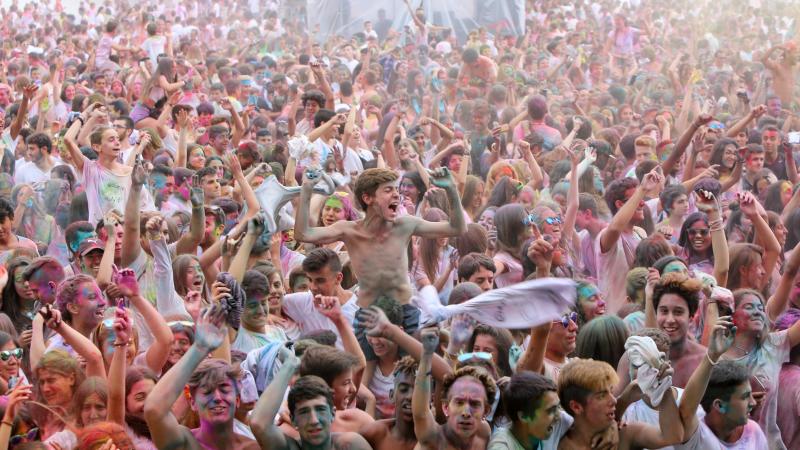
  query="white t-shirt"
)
[
  {"x": 381, "y": 386},
  {"x": 613, "y": 267},
  {"x": 300, "y": 308},
  {"x": 752, "y": 439},
  {"x": 154, "y": 46},
  {"x": 31, "y": 173},
  {"x": 640, "y": 412},
  {"x": 106, "y": 190}
]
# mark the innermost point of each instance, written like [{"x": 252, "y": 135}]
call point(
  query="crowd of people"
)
[{"x": 222, "y": 230}]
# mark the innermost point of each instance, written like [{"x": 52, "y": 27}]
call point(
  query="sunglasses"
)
[
  {"x": 180, "y": 324},
  {"x": 464, "y": 357},
  {"x": 30, "y": 436},
  {"x": 698, "y": 232},
  {"x": 567, "y": 318},
  {"x": 554, "y": 221},
  {"x": 529, "y": 220},
  {"x": 5, "y": 355}
]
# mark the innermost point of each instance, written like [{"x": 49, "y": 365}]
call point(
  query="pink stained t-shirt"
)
[{"x": 513, "y": 273}]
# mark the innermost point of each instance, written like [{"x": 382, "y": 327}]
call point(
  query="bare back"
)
[{"x": 380, "y": 436}]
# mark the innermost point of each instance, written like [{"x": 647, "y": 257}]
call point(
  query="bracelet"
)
[
  {"x": 5, "y": 422},
  {"x": 83, "y": 122},
  {"x": 715, "y": 225},
  {"x": 120, "y": 344},
  {"x": 710, "y": 361}
]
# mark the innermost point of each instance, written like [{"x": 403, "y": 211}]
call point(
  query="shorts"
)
[
  {"x": 410, "y": 326},
  {"x": 139, "y": 112}
]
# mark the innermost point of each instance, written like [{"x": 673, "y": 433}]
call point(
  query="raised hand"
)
[
  {"x": 653, "y": 277},
  {"x": 154, "y": 228},
  {"x": 256, "y": 225},
  {"x": 183, "y": 119},
  {"x": 711, "y": 171},
  {"x": 722, "y": 337},
  {"x": 375, "y": 321},
  {"x": 430, "y": 340},
  {"x": 442, "y": 178},
  {"x": 127, "y": 283},
  {"x": 705, "y": 201},
  {"x": 196, "y": 194},
  {"x": 139, "y": 174},
  {"x": 328, "y": 307},
  {"x": 653, "y": 179},
  {"x": 758, "y": 111},
  {"x": 122, "y": 326},
  {"x": 747, "y": 204},
  {"x": 210, "y": 328},
  {"x": 29, "y": 91},
  {"x": 233, "y": 163}
]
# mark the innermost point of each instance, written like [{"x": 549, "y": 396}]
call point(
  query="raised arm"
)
[
  {"x": 107, "y": 262},
  {"x": 707, "y": 203},
  {"x": 131, "y": 243},
  {"x": 456, "y": 226},
  {"x": 95, "y": 367},
  {"x": 331, "y": 308},
  {"x": 668, "y": 432},
  {"x": 621, "y": 220},
  {"x": 780, "y": 299},
  {"x": 533, "y": 357},
  {"x": 22, "y": 113},
  {"x": 324, "y": 86},
  {"x": 425, "y": 426},
  {"x": 189, "y": 242},
  {"x": 70, "y": 141},
  {"x": 741, "y": 125},
  {"x": 262, "y": 419},
  {"x": 721, "y": 340},
  {"x": 314, "y": 235},
  {"x": 181, "y": 154},
  {"x": 753, "y": 210},
  {"x": 572, "y": 199},
  {"x": 116, "y": 372},
  {"x": 165, "y": 430},
  {"x": 683, "y": 142}
]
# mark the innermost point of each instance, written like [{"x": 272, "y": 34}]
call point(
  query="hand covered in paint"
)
[
  {"x": 127, "y": 283},
  {"x": 375, "y": 322},
  {"x": 122, "y": 327},
  {"x": 328, "y": 307},
  {"x": 210, "y": 328},
  {"x": 430, "y": 340},
  {"x": 442, "y": 178}
]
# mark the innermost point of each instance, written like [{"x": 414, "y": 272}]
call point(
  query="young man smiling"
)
[
  {"x": 213, "y": 388},
  {"x": 311, "y": 406}
]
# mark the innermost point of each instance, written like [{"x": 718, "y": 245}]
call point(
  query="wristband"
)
[
  {"x": 710, "y": 361},
  {"x": 715, "y": 225}
]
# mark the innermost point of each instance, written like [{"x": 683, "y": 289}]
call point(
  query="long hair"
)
[
  {"x": 742, "y": 256},
  {"x": 180, "y": 265},
  {"x": 136, "y": 374},
  {"x": 470, "y": 192},
  {"x": 602, "y": 339},
  {"x": 92, "y": 385},
  {"x": 64, "y": 364},
  {"x": 429, "y": 252},
  {"x": 502, "y": 340},
  {"x": 165, "y": 67},
  {"x": 12, "y": 303},
  {"x": 510, "y": 228}
]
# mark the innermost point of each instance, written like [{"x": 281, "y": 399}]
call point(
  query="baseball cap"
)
[{"x": 90, "y": 244}]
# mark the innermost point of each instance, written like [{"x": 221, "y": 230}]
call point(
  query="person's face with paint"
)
[
  {"x": 770, "y": 140},
  {"x": 93, "y": 410},
  {"x": 194, "y": 278},
  {"x": 213, "y": 229},
  {"x": 409, "y": 190},
  {"x": 163, "y": 184},
  {"x": 401, "y": 395},
  {"x": 20, "y": 285},
  {"x": 466, "y": 407},
  {"x": 119, "y": 231},
  {"x": 591, "y": 302},
  {"x": 256, "y": 313},
  {"x": 541, "y": 423},
  {"x": 89, "y": 305},
  {"x": 216, "y": 404},
  {"x": 333, "y": 211},
  {"x": 108, "y": 344},
  {"x": 134, "y": 400},
  {"x": 180, "y": 345},
  {"x": 43, "y": 282},
  {"x": 699, "y": 236},
  {"x": 312, "y": 419},
  {"x": 755, "y": 162}
]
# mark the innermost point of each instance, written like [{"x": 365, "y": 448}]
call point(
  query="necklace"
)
[{"x": 746, "y": 352}]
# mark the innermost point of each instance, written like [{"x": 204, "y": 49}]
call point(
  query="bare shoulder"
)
[
  {"x": 376, "y": 430},
  {"x": 349, "y": 441}
]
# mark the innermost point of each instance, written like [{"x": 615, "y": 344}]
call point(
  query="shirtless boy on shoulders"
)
[{"x": 378, "y": 243}]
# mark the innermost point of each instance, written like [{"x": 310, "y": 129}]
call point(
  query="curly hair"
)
[
  {"x": 406, "y": 366},
  {"x": 479, "y": 374},
  {"x": 96, "y": 435},
  {"x": 368, "y": 182},
  {"x": 681, "y": 285}
]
